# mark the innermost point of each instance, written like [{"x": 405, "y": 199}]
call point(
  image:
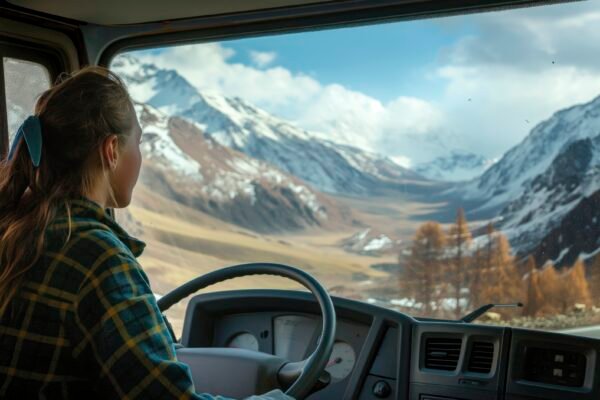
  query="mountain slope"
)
[
  {"x": 184, "y": 165},
  {"x": 234, "y": 123},
  {"x": 456, "y": 166},
  {"x": 537, "y": 183},
  {"x": 573, "y": 175},
  {"x": 506, "y": 180},
  {"x": 577, "y": 235}
]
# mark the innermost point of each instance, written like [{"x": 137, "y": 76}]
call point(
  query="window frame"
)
[
  {"x": 104, "y": 43},
  {"x": 26, "y": 51}
]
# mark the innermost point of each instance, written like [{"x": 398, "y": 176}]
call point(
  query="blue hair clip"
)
[{"x": 31, "y": 130}]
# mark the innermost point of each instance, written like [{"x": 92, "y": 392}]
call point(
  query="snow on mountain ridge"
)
[
  {"x": 225, "y": 175},
  {"x": 163, "y": 89},
  {"x": 223, "y": 183},
  {"x": 456, "y": 166},
  {"x": 506, "y": 180},
  {"x": 162, "y": 148},
  {"x": 236, "y": 124},
  {"x": 573, "y": 175}
]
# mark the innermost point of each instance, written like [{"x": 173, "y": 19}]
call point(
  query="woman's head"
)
[
  {"x": 90, "y": 147},
  {"x": 90, "y": 136}
]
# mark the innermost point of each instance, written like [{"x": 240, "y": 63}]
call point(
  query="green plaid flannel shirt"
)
[{"x": 85, "y": 323}]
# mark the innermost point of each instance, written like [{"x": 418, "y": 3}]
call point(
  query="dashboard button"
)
[{"x": 382, "y": 389}]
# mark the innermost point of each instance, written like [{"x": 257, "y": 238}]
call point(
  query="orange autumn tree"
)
[
  {"x": 478, "y": 269},
  {"x": 502, "y": 280},
  {"x": 594, "y": 280},
  {"x": 422, "y": 279},
  {"x": 574, "y": 288},
  {"x": 459, "y": 239},
  {"x": 550, "y": 285},
  {"x": 534, "y": 299}
]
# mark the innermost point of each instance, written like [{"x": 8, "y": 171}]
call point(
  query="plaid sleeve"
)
[{"x": 119, "y": 320}]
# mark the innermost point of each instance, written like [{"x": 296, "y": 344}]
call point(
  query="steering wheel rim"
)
[{"x": 315, "y": 364}]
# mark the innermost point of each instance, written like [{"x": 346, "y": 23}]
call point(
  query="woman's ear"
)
[{"x": 110, "y": 151}]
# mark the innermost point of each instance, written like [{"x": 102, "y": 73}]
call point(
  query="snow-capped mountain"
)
[
  {"x": 577, "y": 236},
  {"x": 507, "y": 179},
  {"x": 537, "y": 183},
  {"x": 573, "y": 175},
  {"x": 234, "y": 123},
  {"x": 181, "y": 163},
  {"x": 456, "y": 166}
]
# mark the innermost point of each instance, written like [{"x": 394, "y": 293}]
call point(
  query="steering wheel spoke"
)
[{"x": 291, "y": 371}]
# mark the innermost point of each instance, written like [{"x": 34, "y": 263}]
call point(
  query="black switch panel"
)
[{"x": 553, "y": 366}]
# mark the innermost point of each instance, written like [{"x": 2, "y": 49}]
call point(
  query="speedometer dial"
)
[
  {"x": 341, "y": 362},
  {"x": 244, "y": 341}
]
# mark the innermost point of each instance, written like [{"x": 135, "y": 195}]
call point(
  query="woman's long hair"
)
[{"x": 76, "y": 115}]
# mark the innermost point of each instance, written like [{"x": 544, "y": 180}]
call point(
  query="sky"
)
[{"x": 412, "y": 90}]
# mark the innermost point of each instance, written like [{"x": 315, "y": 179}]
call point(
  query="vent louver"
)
[
  {"x": 481, "y": 357},
  {"x": 442, "y": 353}
]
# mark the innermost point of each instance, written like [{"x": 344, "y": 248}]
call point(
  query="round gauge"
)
[
  {"x": 244, "y": 341},
  {"x": 341, "y": 362}
]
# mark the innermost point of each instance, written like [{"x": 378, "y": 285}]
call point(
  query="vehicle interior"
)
[{"x": 330, "y": 325}]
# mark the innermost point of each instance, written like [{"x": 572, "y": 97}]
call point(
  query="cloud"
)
[
  {"x": 514, "y": 69},
  {"x": 262, "y": 58},
  {"x": 331, "y": 111},
  {"x": 210, "y": 69}
]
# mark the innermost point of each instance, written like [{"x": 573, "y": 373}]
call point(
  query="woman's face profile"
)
[{"x": 127, "y": 170}]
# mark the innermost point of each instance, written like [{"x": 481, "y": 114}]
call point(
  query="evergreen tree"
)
[
  {"x": 423, "y": 275},
  {"x": 459, "y": 239}
]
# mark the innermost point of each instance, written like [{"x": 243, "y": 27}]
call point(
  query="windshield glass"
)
[{"x": 430, "y": 166}]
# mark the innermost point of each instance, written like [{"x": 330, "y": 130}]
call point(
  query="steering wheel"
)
[{"x": 255, "y": 371}]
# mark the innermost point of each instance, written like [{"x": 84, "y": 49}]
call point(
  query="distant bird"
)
[
  {"x": 469, "y": 99},
  {"x": 527, "y": 120}
]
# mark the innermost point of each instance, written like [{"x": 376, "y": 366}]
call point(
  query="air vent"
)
[
  {"x": 442, "y": 353},
  {"x": 481, "y": 357}
]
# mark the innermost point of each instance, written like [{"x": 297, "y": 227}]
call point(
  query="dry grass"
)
[{"x": 183, "y": 244}]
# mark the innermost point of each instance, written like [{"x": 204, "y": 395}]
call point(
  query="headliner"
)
[{"x": 119, "y": 12}]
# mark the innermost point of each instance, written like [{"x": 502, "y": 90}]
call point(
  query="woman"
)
[{"x": 77, "y": 316}]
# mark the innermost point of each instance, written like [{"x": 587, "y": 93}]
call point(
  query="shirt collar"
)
[{"x": 85, "y": 208}]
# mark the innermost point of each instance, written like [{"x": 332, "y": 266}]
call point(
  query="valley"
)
[{"x": 225, "y": 182}]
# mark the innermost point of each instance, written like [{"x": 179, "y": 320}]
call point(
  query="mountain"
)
[
  {"x": 507, "y": 179},
  {"x": 577, "y": 235},
  {"x": 370, "y": 242},
  {"x": 556, "y": 197},
  {"x": 232, "y": 122},
  {"x": 183, "y": 164},
  {"x": 536, "y": 184},
  {"x": 456, "y": 166}
]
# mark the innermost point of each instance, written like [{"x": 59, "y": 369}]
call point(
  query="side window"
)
[{"x": 24, "y": 81}]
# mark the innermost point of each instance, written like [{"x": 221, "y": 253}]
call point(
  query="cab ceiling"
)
[{"x": 125, "y": 12}]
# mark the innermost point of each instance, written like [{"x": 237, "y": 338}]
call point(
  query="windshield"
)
[{"x": 430, "y": 166}]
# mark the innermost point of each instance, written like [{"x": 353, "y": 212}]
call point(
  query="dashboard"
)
[{"x": 383, "y": 354}]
